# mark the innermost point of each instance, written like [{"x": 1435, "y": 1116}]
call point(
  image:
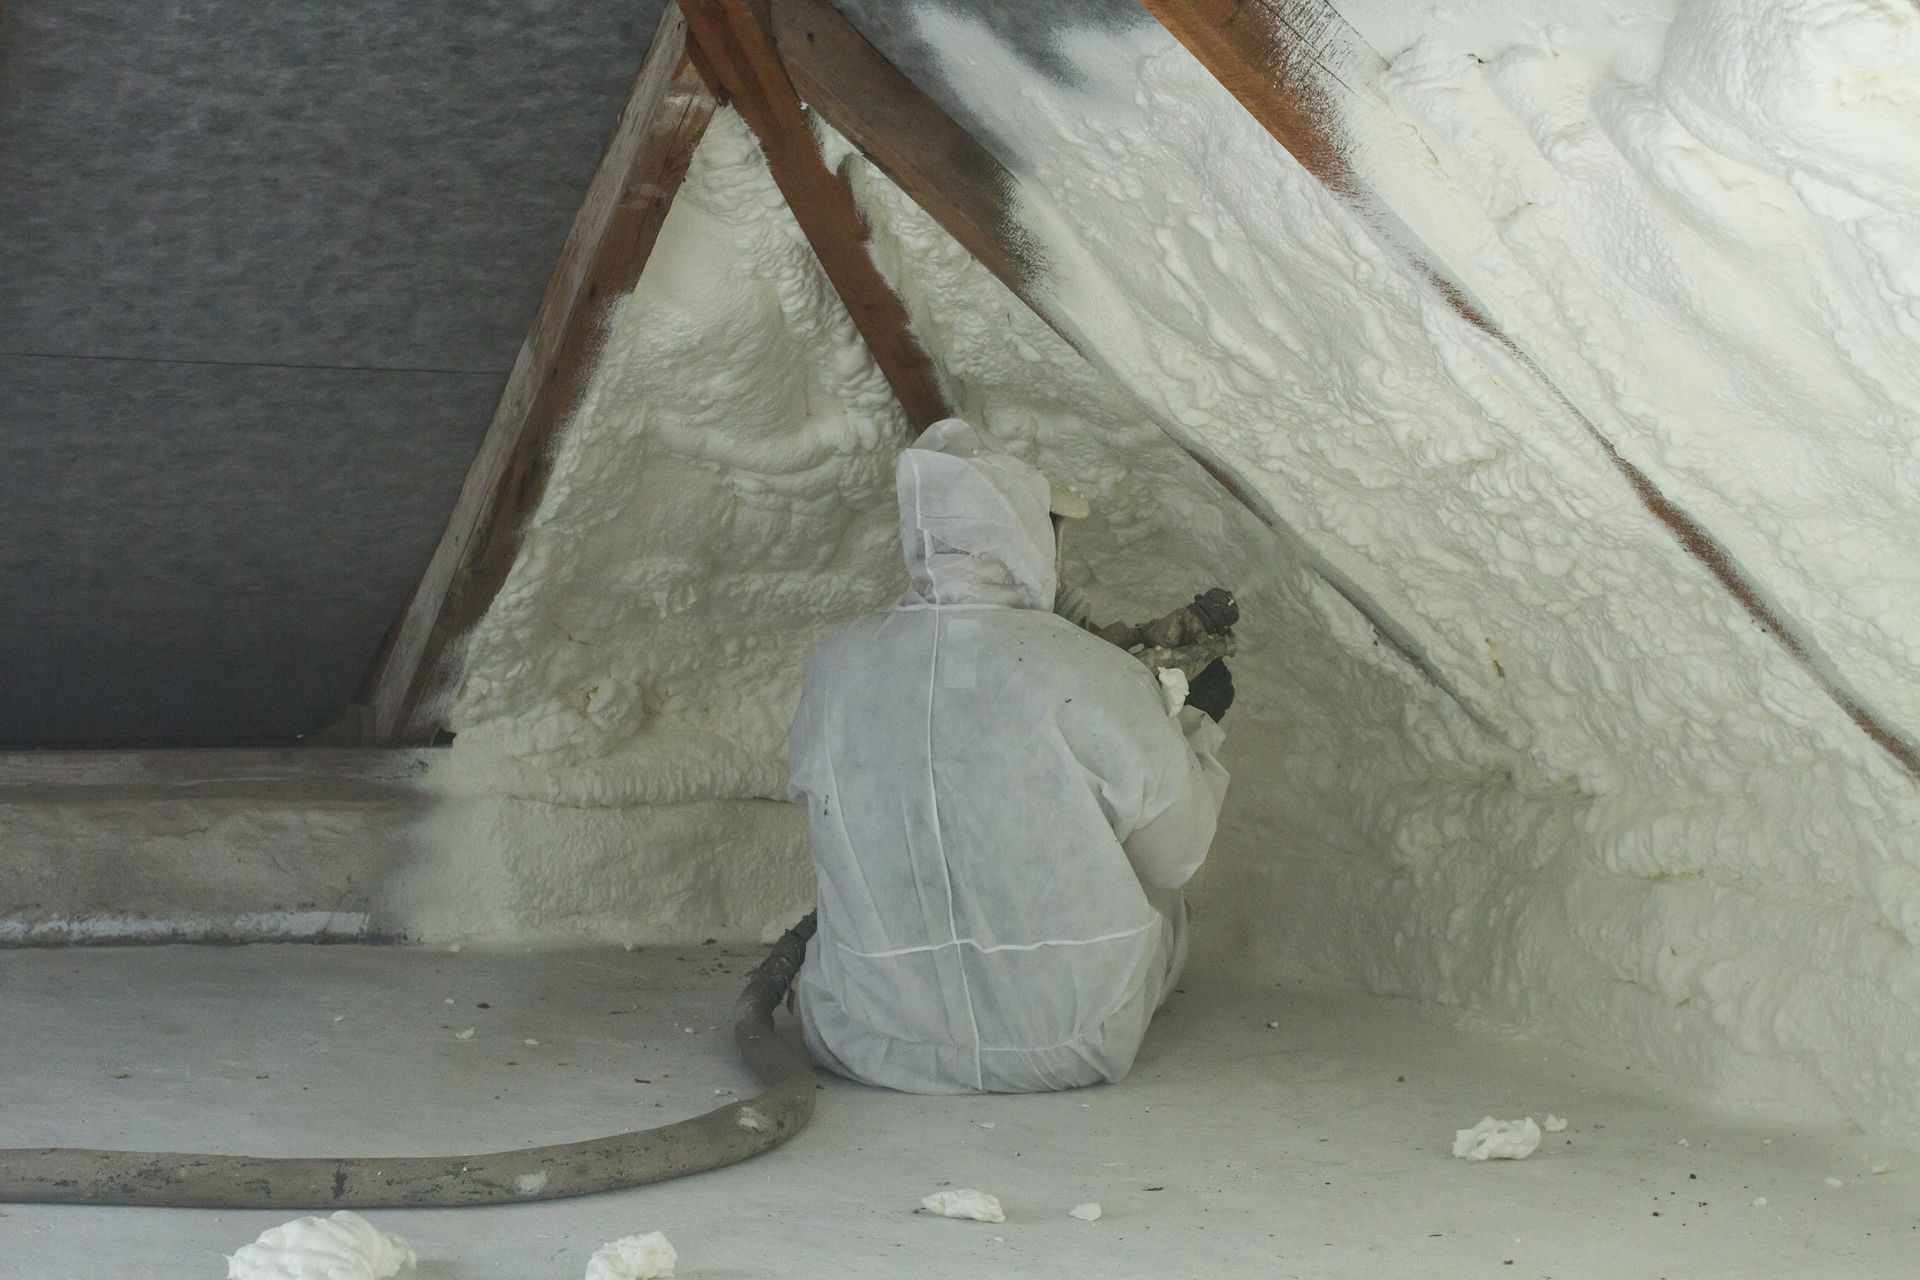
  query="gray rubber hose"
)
[{"x": 723, "y": 1136}]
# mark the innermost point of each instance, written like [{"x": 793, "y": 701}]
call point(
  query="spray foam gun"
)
[{"x": 1188, "y": 639}]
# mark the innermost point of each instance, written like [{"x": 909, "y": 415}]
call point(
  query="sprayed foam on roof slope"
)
[{"x": 1693, "y": 858}]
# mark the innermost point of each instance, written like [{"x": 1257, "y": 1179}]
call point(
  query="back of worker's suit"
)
[{"x": 1002, "y": 811}]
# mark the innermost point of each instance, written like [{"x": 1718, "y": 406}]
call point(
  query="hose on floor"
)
[{"x": 723, "y": 1136}]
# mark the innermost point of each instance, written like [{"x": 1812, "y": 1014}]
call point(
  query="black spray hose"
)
[{"x": 723, "y": 1136}]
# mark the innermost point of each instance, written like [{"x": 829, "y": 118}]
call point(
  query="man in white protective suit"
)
[{"x": 1002, "y": 810}]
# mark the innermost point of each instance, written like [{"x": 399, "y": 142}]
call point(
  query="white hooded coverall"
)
[{"x": 1001, "y": 810}]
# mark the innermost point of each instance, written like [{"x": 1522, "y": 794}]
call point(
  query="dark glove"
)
[
  {"x": 1216, "y": 610},
  {"x": 1212, "y": 690}
]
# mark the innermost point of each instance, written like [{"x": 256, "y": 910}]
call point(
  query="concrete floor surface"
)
[{"x": 1317, "y": 1148}]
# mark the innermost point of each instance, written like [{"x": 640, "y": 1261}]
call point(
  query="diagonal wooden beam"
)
[
  {"x": 736, "y": 48},
  {"x": 1285, "y": 60},
  {"x": 906, "y": 135},
  {"x": 1272, "y": 55},
  {"x": 665, "y": 115}
]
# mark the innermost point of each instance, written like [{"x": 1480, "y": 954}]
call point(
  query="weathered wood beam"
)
[
  {"x": 626, "y": 203},
  {"x": 1282, "y": 60},
  {"x": 1260, "y": 52},
  {"x": 276, "y": 773},
  {"x": 906, "y": 135},
  {"x": 736, "y": 49},
  {"x": 294, "y": 844}
]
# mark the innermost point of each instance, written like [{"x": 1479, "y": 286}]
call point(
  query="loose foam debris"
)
[
  {"x": 1498, "y": 1140},
  {"x": 343, "y": 1247},
  {"x": 977, "y": 1206},
  {"x": 647, "y": 1257}
]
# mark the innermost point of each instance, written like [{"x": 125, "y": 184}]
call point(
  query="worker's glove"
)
[
  {"x": 1215, "y": 610},
  {"x": 1212, "y": 690}
]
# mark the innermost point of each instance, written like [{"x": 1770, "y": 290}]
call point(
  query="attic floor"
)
[{"x": 1316, "y": 1149}]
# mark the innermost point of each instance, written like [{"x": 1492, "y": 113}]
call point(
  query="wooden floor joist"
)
[
  {"x": 1277, "y": 57},
  {"x": 736, "y": 47},
  {"x": 665, "y": 115}
]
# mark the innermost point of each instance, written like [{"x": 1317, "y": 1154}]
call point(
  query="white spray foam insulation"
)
[
  {"x": 639, "y": 1257},
  {"x": 1703, "y": 231},
  {"x": 1493, "y": 1139},
  {"x": 344, "y": 1246}
]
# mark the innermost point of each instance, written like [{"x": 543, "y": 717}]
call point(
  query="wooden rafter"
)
[
  {"x": 736, "y": 48},
  {"x": 1273, "y": 56},
  {"x": 904, "y": 133},
  {"x": 665, "y": 115},
  {"x": 1278, "y": 57}
]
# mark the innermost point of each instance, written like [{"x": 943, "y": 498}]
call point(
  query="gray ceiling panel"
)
[
  {"x": 263, "y": 271},
  {"x": 379, "y": 183},
  {"x": 184, "y": 559}
]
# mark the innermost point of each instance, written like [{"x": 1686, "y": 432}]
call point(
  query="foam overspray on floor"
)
[
  {"x": 1317, "y": 1147},
  {"x": 1635, "y": 824}
]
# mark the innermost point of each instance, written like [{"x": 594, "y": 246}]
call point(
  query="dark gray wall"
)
[{"x": 264, "y": 266}]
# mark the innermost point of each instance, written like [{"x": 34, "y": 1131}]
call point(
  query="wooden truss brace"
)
[
  {"x": 904, "y": 133},
  {"x": 736, "y": 50},
  {"x": 929, "y": 156},
  {"x": 626, "y": 203}
]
